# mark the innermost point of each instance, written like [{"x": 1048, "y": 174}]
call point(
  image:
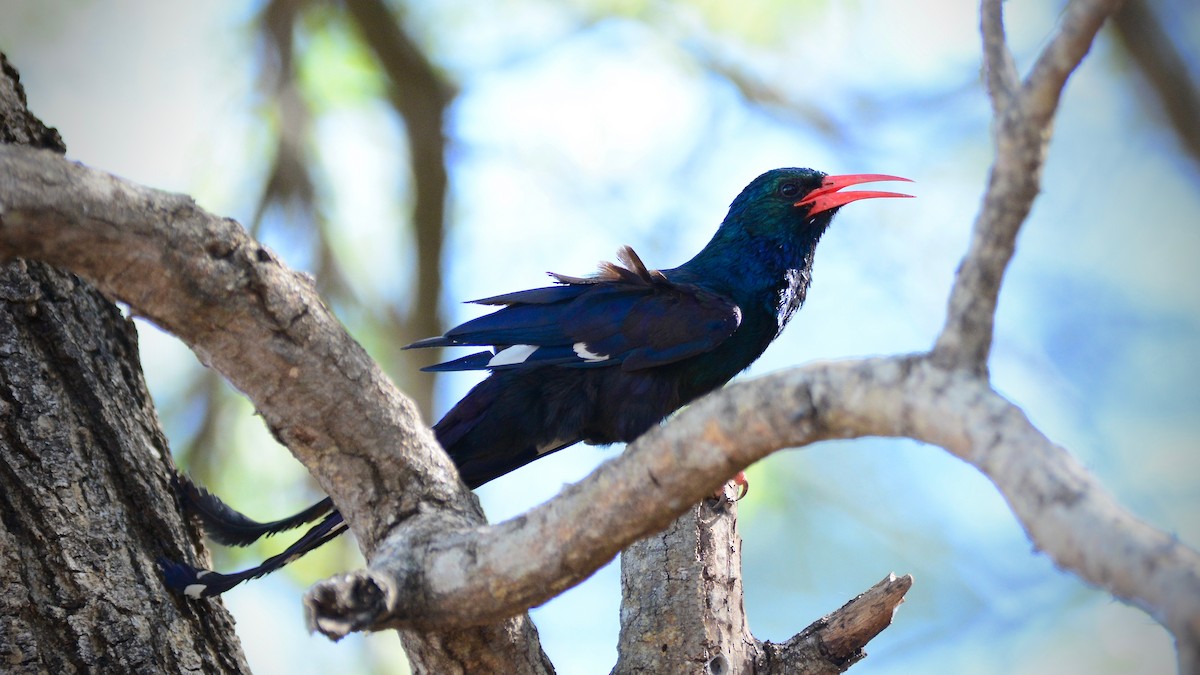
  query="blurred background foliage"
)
[{"x": 410, "y": 155}]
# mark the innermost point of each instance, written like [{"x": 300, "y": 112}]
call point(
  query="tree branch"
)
[
  {"x": 1022, "y": 132},
  {"x": 835, "y": 642},
  {"x": 682, "y": 611},
  {"x": 681, "y": 608},
  {"x": 1043, "y": 86},
  {"x": 82, "y": 457},
  {"x": 999, "y": 69},
  {"x": 244, "y": 313}
]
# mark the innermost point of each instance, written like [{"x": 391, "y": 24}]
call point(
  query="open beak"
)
[{"x": 827, "y": 196}]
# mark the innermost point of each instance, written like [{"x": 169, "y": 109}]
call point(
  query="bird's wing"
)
[{"x": 626, "y": 315}]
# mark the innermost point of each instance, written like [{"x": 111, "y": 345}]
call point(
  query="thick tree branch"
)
[
  {"x": 1022, "y": 133},
  {"x": 440, "y": 566},
  {"x": 265, "y": 329},
  {"x": 84, "y": 499},
  {"x": 245, "y": 314}
]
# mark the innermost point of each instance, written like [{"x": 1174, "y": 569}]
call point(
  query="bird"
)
[{"x": 599, "y": 359}]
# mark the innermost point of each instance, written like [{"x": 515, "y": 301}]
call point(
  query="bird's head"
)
[
  {"x": 798, "y": 202},
  {"x": 768, "y": 238}
]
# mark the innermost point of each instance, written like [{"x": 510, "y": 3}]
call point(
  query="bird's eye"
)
[{"x": 789, "y": 190}]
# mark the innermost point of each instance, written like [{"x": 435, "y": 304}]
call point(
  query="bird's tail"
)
[
  {"x": 226, "y": 526},
  {"x": 482, "y": 434},
  {"x": 196, "y": 582}
]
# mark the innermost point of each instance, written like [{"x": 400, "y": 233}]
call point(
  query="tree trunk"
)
[
  {"x": 681, "y": 610},
  {"x": 85, "y": 503}
]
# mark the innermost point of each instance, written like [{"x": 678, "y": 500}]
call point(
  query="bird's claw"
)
[
  {"x": 743, "y": 485},
  {"x": 743, "y": 488}
]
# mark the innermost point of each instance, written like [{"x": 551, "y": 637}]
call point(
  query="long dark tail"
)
[
  {"x": 198, "y": 583},
  {"x": 487, "y": 436},
  {"x": 226, "y": 526}
]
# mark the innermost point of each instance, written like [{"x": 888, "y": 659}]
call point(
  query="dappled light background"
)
[{"x": 572, "y": 128}]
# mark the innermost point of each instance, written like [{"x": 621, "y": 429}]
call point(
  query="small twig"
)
[
  {"x": 1043, "y": 86},
  {"x": 835, "y": 642},
  {"x": 999, "y": 69}
]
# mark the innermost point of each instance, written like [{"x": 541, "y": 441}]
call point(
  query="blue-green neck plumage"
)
[{"x": 761, "y": 257}]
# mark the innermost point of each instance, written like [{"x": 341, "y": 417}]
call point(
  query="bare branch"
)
[
  {"x": 835, "y": 642},
  {"x": 1044, "y": 84},
  {"x": 682, "y": 587},
  {"x": 1022, "y": 132},
  {"x": 244, "y": 313},
  {"x": 1065, "y": 512},
  {"x": 998, "y": 67},
  {"x": 682, "y": 611}
]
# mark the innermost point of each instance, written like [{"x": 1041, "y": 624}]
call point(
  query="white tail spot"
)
[
  {"x": 512, "y": 355},
  {"x": 582, "y": 351}
]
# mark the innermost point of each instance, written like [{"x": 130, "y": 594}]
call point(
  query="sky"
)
[{"x": 580, "y": 127}]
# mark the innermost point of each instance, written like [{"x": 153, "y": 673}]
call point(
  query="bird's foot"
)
[
  {"x": 743, "y": 485},
  {"x": 739, "y": 483}
]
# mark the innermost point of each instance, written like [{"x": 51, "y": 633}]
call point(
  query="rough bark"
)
[
  {"x": 834, "y": 643},
  {"x": 682, "y": 610},
  {"x": 84, "y": 501}
]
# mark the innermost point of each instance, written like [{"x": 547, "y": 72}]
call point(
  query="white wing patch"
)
[
  {"x": 512, "y": 355},
  {"x": 582, "y": 351}
]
